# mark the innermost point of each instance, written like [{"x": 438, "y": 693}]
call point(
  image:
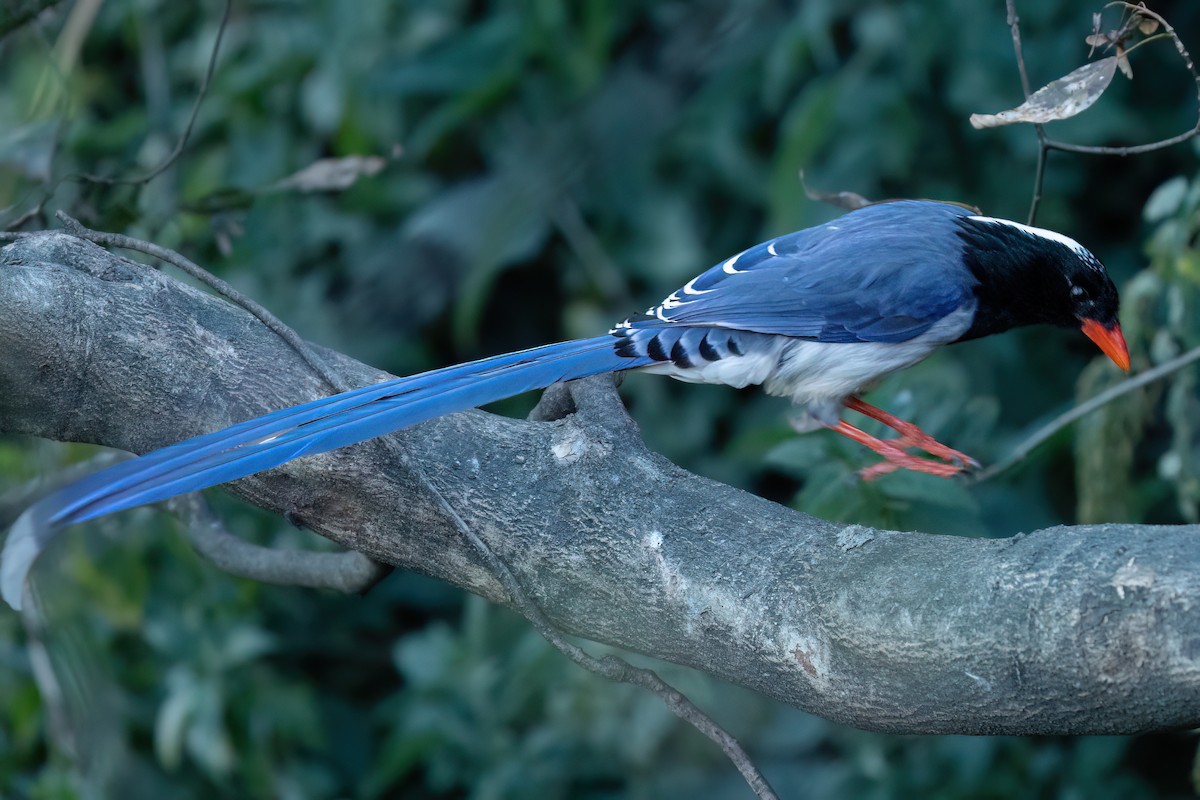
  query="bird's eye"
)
[{"x": 1078, "y": 291}]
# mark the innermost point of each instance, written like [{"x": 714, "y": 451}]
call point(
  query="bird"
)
[{"x": 818, "y": 316}]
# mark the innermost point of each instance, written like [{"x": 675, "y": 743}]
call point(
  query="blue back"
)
[{"x": 816, "y": 283}]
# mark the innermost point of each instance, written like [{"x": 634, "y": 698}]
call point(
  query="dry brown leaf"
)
[
  {"x": 1123, "y": 62},
  {"x": 1059, "y": 99},
  {"x": 847, "y": 200}
]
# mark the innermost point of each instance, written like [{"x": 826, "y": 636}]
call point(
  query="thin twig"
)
[
  {"x": 318, "y": 365},
  {"x": 1144, "y": 148},
  {"x": 1021, "y": 451},
  {"x": 49, "y": 191},
  {"x": 1045, "y": 145},
  {"x": 1129, "y": 150},
  {"x": 37, "y": 211},
  {"x": 597, "y": 263},
  {"x": 1039, "y": 177},
  {"x": 201, "y": 93},
  {"x": 1014, "y": 26}
]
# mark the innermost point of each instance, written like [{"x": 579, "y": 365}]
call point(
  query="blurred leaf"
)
[
  {"x": 29, "y": 147},
  {"x": 506, "y": 226},
  {"x": 331, "y": 174},
  {"x": 207, "y": 737},
  {"x": 803, "y": 129},
  {"x": 1166, "y": 199},
  {"x": 243, "y": 644},
  {"x": 323, "y": 101},
  {"x": 174, "y": 713},
  {"x": 916, "y": 487},
  {"x": 425, "y": 659}
]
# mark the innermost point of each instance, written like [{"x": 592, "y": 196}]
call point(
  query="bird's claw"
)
[
  {"x": 965, "y": 463},
  {"x": 945, "y": 463},
  {"x": 950, "y": 463}
]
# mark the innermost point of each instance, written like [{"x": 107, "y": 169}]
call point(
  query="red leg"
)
[
  {"x": 911, "y": 435},
  {"x": 893, "y": 451}
]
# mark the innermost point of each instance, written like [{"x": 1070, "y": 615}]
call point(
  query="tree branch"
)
[
  {"x": 1068, "y": 630},
  {"x": 194, "y": 270},
  {"x": 349, "y": 572}
]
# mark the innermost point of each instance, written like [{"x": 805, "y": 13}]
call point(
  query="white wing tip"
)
[{"x": 20, "y": 551}]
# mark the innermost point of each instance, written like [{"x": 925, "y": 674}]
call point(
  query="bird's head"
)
[
  {"x": 1030, "y": 275},
  {"x": 1092, "y": 303}
]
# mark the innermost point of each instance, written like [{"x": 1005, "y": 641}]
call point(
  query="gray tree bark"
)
[{"x": 1068, "y": 630}]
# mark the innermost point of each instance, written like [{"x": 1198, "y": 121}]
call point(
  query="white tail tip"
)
[{"x": 20, "y": 551}]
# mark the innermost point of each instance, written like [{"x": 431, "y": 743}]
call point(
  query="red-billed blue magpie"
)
[{"x": 818, "y": 316}]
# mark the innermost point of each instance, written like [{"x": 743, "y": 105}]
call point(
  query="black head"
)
[{"x": 1030, "y": 275}]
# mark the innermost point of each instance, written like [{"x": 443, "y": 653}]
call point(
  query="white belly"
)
[{"x": 819, "y": 376}]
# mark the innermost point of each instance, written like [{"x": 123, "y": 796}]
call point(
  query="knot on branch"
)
[
  {"x": 59, "y": 250},
  {"x": 592, "y": 406}
]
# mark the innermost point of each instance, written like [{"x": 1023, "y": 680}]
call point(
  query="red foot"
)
[{"x": 894, "y": 450}]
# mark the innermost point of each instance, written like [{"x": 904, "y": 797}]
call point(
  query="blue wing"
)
[{"x": 816, "y": 284}]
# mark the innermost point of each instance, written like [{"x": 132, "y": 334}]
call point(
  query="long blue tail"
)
[{"x": 268, "y": 441}]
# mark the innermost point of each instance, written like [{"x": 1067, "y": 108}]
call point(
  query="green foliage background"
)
[{"x": 549, "y": 167}]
